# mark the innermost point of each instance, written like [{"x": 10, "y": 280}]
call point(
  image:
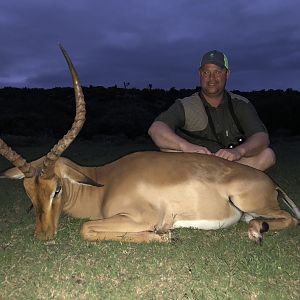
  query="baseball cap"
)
[{"x": 215, "y": 57}]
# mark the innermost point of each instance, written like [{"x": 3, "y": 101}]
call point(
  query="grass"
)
[{"x": 221, "y": 264}]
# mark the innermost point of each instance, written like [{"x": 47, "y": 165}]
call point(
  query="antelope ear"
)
[
  {"x": 15, "y": 173},
  {"x": 75, "y": 175},
  {"x": 12, "y": 173}
]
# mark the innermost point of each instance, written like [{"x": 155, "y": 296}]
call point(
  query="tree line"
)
[{"x": 114, "y": 111}]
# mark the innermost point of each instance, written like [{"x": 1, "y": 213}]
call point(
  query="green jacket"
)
[{"x": 188, "y": 118}]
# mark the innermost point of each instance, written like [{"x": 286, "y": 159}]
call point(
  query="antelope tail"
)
[{"x": 289, "y": 202}]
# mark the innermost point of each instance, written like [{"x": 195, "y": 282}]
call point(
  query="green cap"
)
[{"x": 215, "y": 57}]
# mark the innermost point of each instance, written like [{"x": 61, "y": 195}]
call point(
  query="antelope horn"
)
[
  {"x": 16, "y": 159},
  {"x": 63, "y": 144}
]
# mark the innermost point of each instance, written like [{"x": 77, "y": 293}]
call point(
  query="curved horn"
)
[
  {"x": 63, "y": 144},
  {"x": 16, "y": 159}
]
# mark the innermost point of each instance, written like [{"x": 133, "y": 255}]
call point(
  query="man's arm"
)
[{"x": 166, "y": 139}]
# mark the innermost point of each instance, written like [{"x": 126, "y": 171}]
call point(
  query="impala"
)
[{"x": 142, "y": 196}]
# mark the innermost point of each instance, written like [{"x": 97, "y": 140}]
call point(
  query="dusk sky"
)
[{"x": 149, "y": 41}]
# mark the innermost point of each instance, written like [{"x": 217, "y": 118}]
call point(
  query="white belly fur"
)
[{"x": 208, "y": 224}]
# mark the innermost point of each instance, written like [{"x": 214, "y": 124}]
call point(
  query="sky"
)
[{"x": 142, "y": 42}]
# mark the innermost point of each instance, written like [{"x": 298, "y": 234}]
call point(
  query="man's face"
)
[{"x": 213, "y": 79}]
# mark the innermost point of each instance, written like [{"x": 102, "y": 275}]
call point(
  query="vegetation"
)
[
  {"x": 123, "y": 111},
  {"x": 221, "y": 264}
]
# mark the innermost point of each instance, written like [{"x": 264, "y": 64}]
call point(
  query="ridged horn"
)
[
  {"x": 16, "y": 159},
  {"x": 63, "y": 144}
]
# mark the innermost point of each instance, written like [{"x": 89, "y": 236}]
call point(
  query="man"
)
[{"x": 214, "y": 121}]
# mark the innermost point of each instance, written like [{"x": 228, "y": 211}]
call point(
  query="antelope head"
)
[{"x": 41, "y": 182}]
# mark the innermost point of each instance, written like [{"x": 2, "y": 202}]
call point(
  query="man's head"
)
[{"x": 214, "y": 72}]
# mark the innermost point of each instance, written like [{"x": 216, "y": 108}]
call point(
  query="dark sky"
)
[{"x": 149, "y": 41}]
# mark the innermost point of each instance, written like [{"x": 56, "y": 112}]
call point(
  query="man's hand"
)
[
  {"x": 229, "y": 154},
  {"x": 195, "y": 149}
]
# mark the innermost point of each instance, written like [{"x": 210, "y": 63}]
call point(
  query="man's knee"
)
[
  {"x": 262, "y": 161},
  {"x": 265, "y": 159},
  {"x": 269, "y": 157}
]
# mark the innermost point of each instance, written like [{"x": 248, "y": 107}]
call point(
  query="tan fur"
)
[{"x": 139, "y": 197}]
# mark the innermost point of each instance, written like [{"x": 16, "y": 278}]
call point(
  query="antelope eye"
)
[{"x": 57, "y": 191}]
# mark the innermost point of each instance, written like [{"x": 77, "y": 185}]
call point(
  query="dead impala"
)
[{"x": 141, "y": 197}]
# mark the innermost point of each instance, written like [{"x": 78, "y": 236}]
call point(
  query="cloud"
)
[{"x": 150, "y": 41}]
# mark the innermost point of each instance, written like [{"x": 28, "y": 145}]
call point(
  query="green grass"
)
[{"x": 221, "y": 264}]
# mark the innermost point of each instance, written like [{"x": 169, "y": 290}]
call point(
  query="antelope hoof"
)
[
  {"x": 259, "y": 241},
  {"x": 264, "y": 227},
  {"x": 255, "y": 236},
  {"x": 44, "y": 236},
  {"x": 174, "y": 237},
  {"x": 256, "y": 231}
]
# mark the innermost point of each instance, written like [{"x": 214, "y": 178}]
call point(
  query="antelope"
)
[{"x": 143, "y": 196}]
